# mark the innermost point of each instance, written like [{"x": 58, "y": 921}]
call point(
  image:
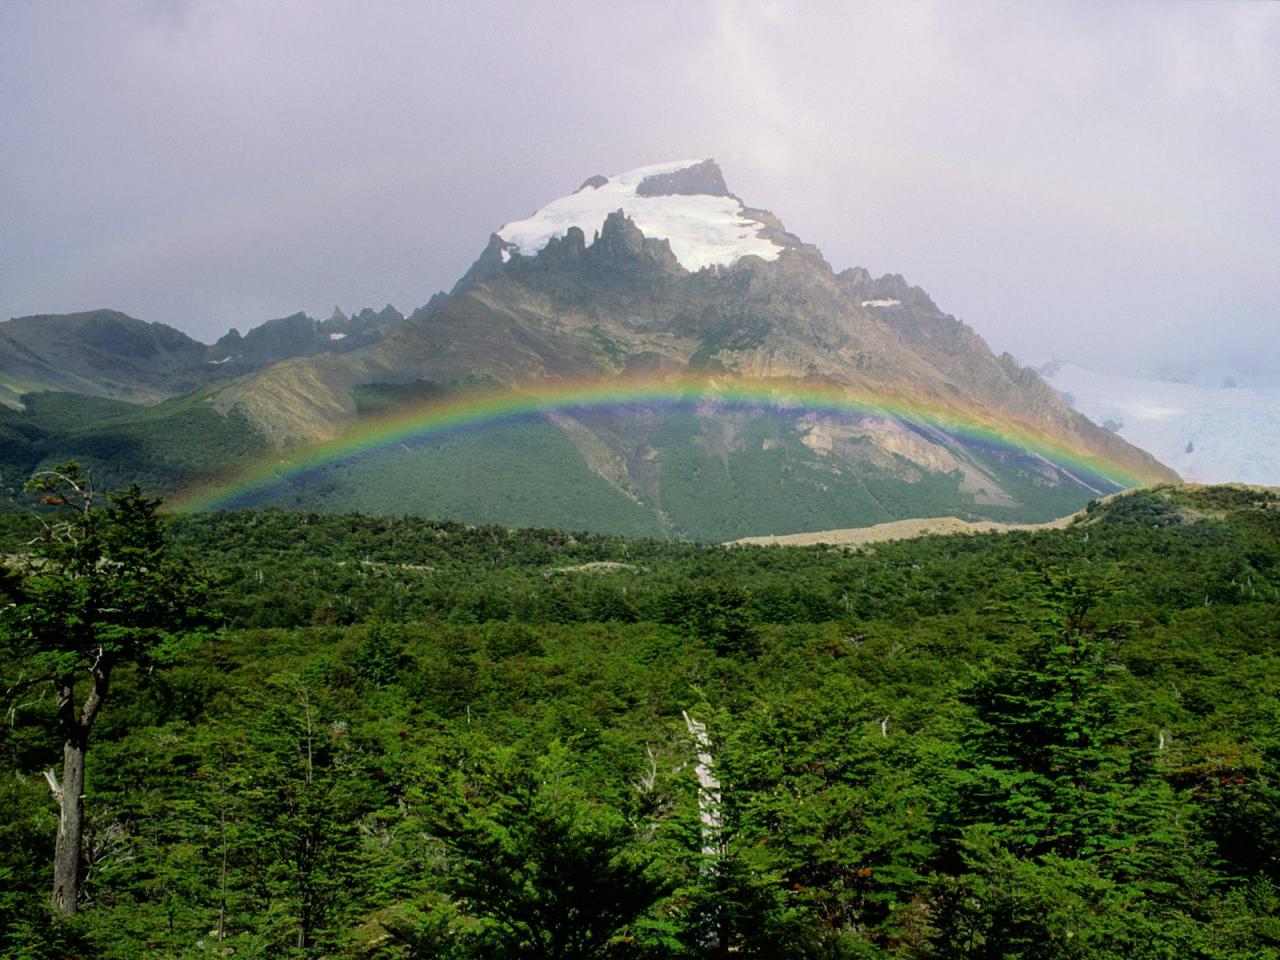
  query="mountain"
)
[
  {"x": 302, "y": 336},
  {"x": 130, "y": 399},
  {"x": 765, "y": 393},
  {"x": 105, "y": 353},
  {"x": 661, "y": 275},
  {"x": 1209, "y": 434},
  {"x": 101, "y": 353}
]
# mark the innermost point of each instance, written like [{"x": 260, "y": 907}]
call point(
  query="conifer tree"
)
[
  {"x": 549, "y": 871},
  {"x": 99, "y": 592},
  {"x": 1040, "y": 762}
]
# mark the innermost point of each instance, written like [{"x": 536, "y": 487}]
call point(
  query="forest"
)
[{"x": 365, "y": 737}]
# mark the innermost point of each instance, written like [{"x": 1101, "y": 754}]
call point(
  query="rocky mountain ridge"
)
[
  {"x": 107, "y": 353},
  {"x": 99, "y": 353},
  {"x": 621, "y": 304}
]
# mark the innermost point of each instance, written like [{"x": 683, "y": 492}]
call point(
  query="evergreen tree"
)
[
  {"x": 1041, "y": 764},
  {"x": 1058, "y": 822},
  {"x": 100, "y": 592},
  {"x": 549, "y": 871}
]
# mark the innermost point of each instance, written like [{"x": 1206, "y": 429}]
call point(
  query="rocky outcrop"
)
[
  {"x": 889, "y": 290},
  {"x": 299, "y": 335},
  {"x": 703, "y": 179},
  {"x": 496, "y": 254},
  {"x": 428, "y": 310}
]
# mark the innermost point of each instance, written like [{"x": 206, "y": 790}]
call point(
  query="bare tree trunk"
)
[
  {"x": 70, "y": 794},
  {"x": 709, "y": 813},
  {"x": 222, "y": 882},
  {"x": 66, "y": 854},
  {"x": 306, "y": 857}
]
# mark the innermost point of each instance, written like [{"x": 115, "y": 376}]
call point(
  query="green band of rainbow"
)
[{"x": 471, "y": 410}]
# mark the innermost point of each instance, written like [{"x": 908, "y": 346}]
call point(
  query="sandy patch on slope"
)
[{"x": 899, "y": 530}]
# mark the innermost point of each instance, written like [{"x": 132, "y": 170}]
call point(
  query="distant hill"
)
[
  {"x": 106, "y": 353},
  {"x": 101, "y": 353},
  {"x": 130, "y": 400}
]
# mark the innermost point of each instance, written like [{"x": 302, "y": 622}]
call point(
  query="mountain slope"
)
[
  {"x": 164, "y": 446},
  {"x": 101, "y": 353},
  {"x": 105, "y": 353}
]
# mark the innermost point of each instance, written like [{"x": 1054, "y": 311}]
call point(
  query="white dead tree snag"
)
[
  {"x": 708, "y": 789},
  {"x": 649, "y": 778},
  {"x": 711, "y": 818}
]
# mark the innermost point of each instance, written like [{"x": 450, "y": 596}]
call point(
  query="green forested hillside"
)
[
  {"x": 749, "y": 472},
  {"x": 418, "y": 739},
  {"x": 165, "y": 447}
]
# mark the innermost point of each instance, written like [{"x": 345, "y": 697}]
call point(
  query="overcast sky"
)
[{"x": 1095, "y": 181}]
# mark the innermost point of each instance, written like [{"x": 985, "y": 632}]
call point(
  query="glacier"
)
[{"x": 1207, "y": 434}]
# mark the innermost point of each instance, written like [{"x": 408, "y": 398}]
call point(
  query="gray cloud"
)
[{"x": 1068, "y": 182}]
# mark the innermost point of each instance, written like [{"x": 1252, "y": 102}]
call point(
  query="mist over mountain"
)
[{"x": 1095, "y": 189}]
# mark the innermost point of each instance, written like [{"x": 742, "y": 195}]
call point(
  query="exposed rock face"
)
[
  {"x": 703, "y": 179},
  {"x": 428, "y": 309},
  {"x": 889, "y": 290},
  {"x": 685, "y": 203},
  {"x": 299, "y": 335},
  {"x": 495, "y": 254},
  {"x": 621, "y": 247}
]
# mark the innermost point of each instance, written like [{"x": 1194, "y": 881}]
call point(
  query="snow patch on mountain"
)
[
  {"x": 704, "y": 231},
  {"x": 1207, "y": 434}
]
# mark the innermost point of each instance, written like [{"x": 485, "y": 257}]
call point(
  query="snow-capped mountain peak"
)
[{"x": 685, "y": 202}]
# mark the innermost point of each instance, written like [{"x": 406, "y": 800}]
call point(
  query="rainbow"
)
[{"x": 476, "y": 410}]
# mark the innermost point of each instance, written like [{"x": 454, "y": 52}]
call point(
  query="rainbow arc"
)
[{"x": 473, "y": 410}]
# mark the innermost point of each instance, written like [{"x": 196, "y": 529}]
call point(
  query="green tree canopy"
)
[{"x": 99, "y": 590}]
